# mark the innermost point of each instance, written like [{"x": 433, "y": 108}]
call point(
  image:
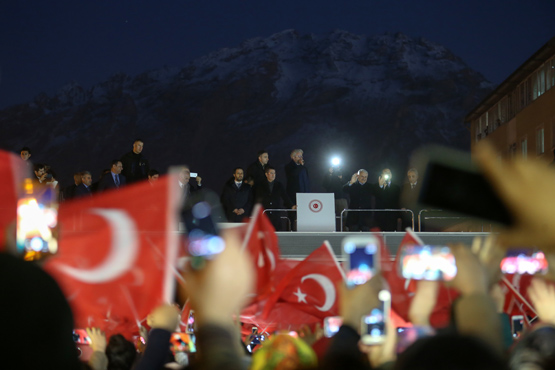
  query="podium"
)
[{"x": 315, "y": 212}]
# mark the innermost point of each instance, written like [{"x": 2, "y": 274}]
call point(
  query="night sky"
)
[{"x": 46, "y": 44}]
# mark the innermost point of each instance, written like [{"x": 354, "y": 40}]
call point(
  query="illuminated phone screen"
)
[
  {"x": 362, "y": 262},
  {"x": 427, "y": 262}
]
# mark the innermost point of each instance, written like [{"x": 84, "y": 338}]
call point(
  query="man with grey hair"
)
[
  {"x": 84, "y": 188},
  {"x": 360, "y": 192},
  {"x": 297, "y": 175}
]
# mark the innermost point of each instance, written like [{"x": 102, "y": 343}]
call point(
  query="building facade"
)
[{"x": 518, "y": 117}]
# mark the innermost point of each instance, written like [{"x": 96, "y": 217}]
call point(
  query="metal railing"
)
[
  {"x": 421, "y": 218},
  {"x": 281, "y": 217},
  {"x": 378, "y": 210}
]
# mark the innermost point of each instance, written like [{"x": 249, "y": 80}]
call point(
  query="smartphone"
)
[
  {"x": 427, "y": 262},
  {"x": 373, "y": 326},
  {"x": 193, "y": 174},
  {"x": 332, "y": 325},
  {"x": 517, "y": 325},
  {"x": 182, "y": 342},
  {"x": 80, "y": 336},
  {"x": 524, "y": 261},
  {"x": 453, "y": 183},
  {"x": 37, "y": 222},
  {"x": 362, "y": 258},
  {"x": 190, "y": 329},
  {"x": 200, "y": 215}
]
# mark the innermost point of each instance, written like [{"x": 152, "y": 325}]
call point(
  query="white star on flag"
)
[{"x": 300, "y": 296}]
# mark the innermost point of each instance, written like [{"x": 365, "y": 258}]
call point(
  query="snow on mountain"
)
[{"x": 372, "y": 98}]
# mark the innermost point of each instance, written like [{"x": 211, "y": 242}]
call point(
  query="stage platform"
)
[{"x": 297, "y": 245}]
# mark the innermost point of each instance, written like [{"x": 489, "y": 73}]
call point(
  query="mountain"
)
[{"x": 370, "y": 99}]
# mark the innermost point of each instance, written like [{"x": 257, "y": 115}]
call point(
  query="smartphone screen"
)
[
  {"x": 406, "y": 336},
  {"x": 427, "y": 262},
  {"x": 452, "y": 182},
  {"x": 332, "y": 325},
  {"x": 362, "y": 259},
  {"x": 524, "y": 261},
  {"x": 182, "y": 342},
  {"x": 373, "y": 326},
  {"x": 37, "y": 223},
  {"x": 190, "y": 322},
  {"x": 200, "y": 216},
  {"x": 517, "y": 325}
]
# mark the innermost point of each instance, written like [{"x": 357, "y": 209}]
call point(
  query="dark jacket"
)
[
  {"x": 361, "y": 195},
  {"x": 272, "y": 199},
  {"x": 135, "y": 167},
  {"x": 236, "y": 198},
  {"x": 107, "y": 182},
  {"x": 257, "y": 172},
  {"x": 82, "y": 190},
  {"x": 297, "y": 179},
  {"x": 333, "y": 184}
]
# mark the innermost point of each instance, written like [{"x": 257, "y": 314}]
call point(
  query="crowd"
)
[
  {"x": 38, "y": 321},
  {"x": 258, "y": 184}
]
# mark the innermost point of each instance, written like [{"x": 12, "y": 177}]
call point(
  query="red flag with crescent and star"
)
[
  {"x": 311, "y": 285},
  {"x": 261, "y": 243},
  {"x": 117, "y": 253}
]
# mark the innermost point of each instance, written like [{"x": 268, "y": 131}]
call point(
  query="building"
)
[{"x": 518, "y": 117}]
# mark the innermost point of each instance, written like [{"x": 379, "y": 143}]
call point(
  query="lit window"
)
[
  {"x": 524, "y": 148},
  {"x": 540, "y": 148}
]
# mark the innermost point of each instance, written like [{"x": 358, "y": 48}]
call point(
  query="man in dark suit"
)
[
  {"x": 271, "y": 193},
  {"x": 187, "y": 187},
  {"x": 237, "y": 197},
  {"x": 387, "y": 197},
  {"x": 69, "y": 191},
  {"x": 256, "y": 169},
  {"x": 361, "y": 194},
  {"x": 411, "y": 189},
  {"x": 84, "y": 188},
  {"x": 297, "y": 175},
  {"x": 114, "y": 179}
]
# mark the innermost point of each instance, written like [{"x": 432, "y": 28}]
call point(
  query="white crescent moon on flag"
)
[
  {"x": 328, "y": 287},
  {"x": 123, "y": 250}
]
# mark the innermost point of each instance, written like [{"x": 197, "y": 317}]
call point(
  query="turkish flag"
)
[
  {"x": 310, "y": 286},
  {"x": 13, "y": 171},
  {"x": 515, "y": 287},
  {"x": 117, "y": 253},
  {"x": 261, "y": 243}
]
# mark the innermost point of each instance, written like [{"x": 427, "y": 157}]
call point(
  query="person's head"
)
[
  {"x": 121, "y": 353},
  {"x": 297, "y": 155},
  {"x": 263, "y": 157},
  {"x": 86, "y": 178},
  {"x": 249, "y": 180},
  {"x": 412, "y": 175},
  {"x": 449, "y": 351},
  {"x": 138, "y": 146},
  {"x": 386, "y": 174},
  {"x": 184, "y": 175},
  {"x": 535, "y": 350},
  {"x": 39, "y": 169},
  {"x": 270, "y": 173},
  {"x": 25, "y": 153},
  {"x": 238, "y": 174},
  {"x": 362, "y": 176},
  {"x": 116, "y": 167},
  {"x": 153, "y": 176},
  {"x": 77, "y": 178}
]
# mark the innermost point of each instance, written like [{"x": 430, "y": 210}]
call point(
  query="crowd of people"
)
[
  {"x": 257, "y": 184},
  {"x": 478, "y": 336}
]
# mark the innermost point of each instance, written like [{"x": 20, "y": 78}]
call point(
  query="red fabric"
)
[
  {"x": 517, "y": 304},
  {"x": 261, "y": 243},
  {"x": 117, "y": 254},
  {"x": 311, "y": 285},
  {"x": 13, "y": 170}
]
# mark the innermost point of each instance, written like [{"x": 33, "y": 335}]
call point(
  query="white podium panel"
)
[{"x": 315, "y": 212}]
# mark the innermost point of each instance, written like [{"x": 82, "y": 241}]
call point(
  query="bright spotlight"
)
[{"x": 335, "y": 161}]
